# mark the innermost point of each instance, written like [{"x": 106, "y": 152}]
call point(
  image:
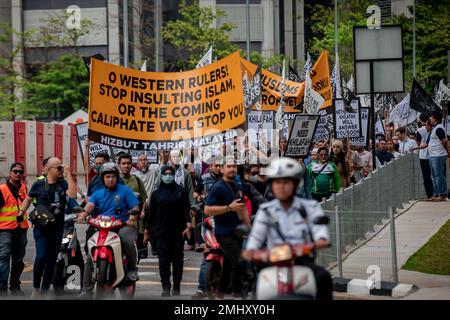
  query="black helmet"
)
[{"x": 109, "y": 167}]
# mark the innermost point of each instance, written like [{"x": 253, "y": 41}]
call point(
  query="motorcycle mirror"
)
[
  {"x": 241, "y": 230},
  {"x": 321, "y": 220}
]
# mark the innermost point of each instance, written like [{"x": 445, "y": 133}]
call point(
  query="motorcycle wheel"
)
[
  {"x": 212, "y": 276},
  {"x": 59, "y": 280},
  {"x": 102, "y": 278},
  {"x": 127, "y": 291}
]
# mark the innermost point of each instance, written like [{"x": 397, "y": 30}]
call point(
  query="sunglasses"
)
[
  {"x": 17, "y": 171},
  {"x": 323, "y": 155},
  {"x": 59, "y": 168}
]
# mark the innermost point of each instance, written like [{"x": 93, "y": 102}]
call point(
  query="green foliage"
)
[
  {"x": 432, "y": 37},
  {"x": 432, "y": 42},
  {"x": 350, "y": 13},
  {"x": 63, "y": 83},
  {"x": 192, "y": 35}
]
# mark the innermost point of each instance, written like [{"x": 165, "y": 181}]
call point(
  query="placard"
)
[
  {"x": 301, "y": 135},
  {"x": 347, "y": 124}
]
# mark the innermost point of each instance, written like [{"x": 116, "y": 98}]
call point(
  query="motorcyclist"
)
[
  {"x": 119, "y": 201},
  {"x": 294, "y": 216}
]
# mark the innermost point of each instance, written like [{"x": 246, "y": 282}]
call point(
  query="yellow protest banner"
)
[
  {"x": 271, "y": 85},
  {"x": 130, "y": 108},
  {"x": 320, "y": 78}
]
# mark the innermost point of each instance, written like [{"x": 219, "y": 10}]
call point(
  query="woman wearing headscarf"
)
[
  {"x": 168, "y": 222},
  {"x": 338, "y": 157}
]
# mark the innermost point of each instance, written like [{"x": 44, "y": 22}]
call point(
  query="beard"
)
[{"x": 143, "y": 170}]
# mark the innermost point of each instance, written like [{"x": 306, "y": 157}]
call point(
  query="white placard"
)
[
  {"x": 301, "y": 135},
  {"x": 347, "y": 124},
  {"x": 362, "y": 141}
]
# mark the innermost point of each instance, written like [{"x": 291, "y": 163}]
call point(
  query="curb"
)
[{"x": 359, "y": 287}]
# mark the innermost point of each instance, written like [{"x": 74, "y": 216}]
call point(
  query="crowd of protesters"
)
[{"x": 171, "y": 191}]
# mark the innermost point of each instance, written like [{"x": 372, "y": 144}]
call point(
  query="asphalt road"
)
[{"x": 147, "y": 288}]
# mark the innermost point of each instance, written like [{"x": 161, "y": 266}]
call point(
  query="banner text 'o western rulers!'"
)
[{"x": 131, "y": 109}]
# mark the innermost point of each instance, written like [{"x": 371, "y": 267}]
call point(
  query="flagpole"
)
[
  {"x": 414, "y": 38},
  {"x": 125, "y": 33},
  {"x": 335, "y": 27},
  {"x": 248, "y": 29}
]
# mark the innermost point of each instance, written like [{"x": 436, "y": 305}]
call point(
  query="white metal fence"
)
[{"x": 365, "y": 209}]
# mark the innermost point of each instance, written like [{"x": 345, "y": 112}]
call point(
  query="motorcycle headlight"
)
[
  {"x": 280, "y": 253},
  {"x": 105, "y": 224}
]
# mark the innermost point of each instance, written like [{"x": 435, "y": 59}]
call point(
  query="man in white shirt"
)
[
  {"x": 438, "y": 153},
  {"x": 406, "y": 144},
  {"x": 422, "y": 136}
]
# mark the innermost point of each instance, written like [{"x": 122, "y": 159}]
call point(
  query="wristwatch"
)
[{"x": 228, "y": 209}]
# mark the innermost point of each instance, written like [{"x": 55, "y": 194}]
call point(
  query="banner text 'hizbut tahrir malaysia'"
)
[{"x": 140, "y": 110}]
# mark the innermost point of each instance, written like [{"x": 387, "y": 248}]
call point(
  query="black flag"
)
[
  {"x": 421, "y": 101},
  {"x": 87, "y": 60}
]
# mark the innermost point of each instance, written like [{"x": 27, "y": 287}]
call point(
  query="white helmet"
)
[{"x": 285, "y": 168}]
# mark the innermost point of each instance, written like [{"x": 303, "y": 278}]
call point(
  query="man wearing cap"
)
[{"x": 13, "y": 230}]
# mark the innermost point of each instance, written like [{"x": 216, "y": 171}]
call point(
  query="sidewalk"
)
[{"x": 413, "y": 227}]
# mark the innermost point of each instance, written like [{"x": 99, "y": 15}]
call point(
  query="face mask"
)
[
  {"x": 98, "y": 168},
  {"x": 254, "y": 179},
  {"x": 168, "y": 178}
]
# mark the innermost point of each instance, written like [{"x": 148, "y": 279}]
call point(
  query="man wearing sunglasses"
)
[
  {"x": 13, "y": 230},
  {"x": 50, "y": 193}
]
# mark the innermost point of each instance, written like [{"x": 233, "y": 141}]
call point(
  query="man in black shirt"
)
[
  {"x": 383, "y": 155},
  {"x": 225, "y": 202}
]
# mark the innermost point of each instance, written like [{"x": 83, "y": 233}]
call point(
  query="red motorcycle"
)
[
  {"x": 110, "y": 264},
  {"x": 213, "y": 257}
]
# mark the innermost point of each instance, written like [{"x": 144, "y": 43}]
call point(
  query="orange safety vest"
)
[{"x": 10, "y": 210}]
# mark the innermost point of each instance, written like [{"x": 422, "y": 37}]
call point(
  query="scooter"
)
[
  {"x": 282, "y": 279},
  {"x": 69, "y": 255},
  {"x": 110, "y": 264},
  {"x": 213, "y": 256}
]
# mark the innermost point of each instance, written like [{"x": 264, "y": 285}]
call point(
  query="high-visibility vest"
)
[{"x": 10, "y": 210}]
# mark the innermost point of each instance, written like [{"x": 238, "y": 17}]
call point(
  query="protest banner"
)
[
  {"x": 421, "y": 101},
  {"x": 402, "y": 114},
  {"x": 152, "y": 155},
  {"x": 346, "y": 124},
  {"x": 138, "y": 110},
  {"x": 260, "y": 125},
  {"x": 94, "y": 148},
  {"x": 294, "y": 91},
  {"x": 301, "y": 135},
  {"x": 205, "y": 60},
  {"x": 325, "y": 125},
  {"x": 270, "y": 83},
  {"x": 363, "y": 139},
  {"x": 379, "y": 127}
]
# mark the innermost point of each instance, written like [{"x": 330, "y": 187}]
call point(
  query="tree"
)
[
  {"x": 61, "y": 85},
  {"x": 351, "y": 13},
  {"x": 47, "y": 87},
  {"x": 192, "y": 34},
  {"x": 432, "y": 42},
  {"x": 11, "y": 81},
  {"x": 432, "y": 30}
]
